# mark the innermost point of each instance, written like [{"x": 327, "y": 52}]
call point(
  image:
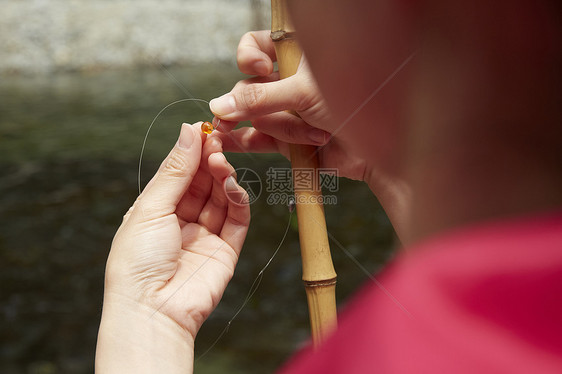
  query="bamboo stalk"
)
[{"x": 319, "y": 275}]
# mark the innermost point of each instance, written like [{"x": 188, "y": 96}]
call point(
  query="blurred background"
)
[{"x": 80, "y": 82}]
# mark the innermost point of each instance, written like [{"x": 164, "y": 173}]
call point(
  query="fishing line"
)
[
  {"x": 257, "y": 281},
  {"x": 253, "y": 288},
  {"x": 181, "y": 86},
  {"x": 152, "y": 124}
]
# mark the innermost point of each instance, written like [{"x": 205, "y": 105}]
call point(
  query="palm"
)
[
  {"x": 202, "y": 269},
  {"x": 177, "y": 259}
]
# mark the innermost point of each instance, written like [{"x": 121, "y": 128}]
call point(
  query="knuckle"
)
[
  {"x": 239, "y": 221},
  {"x": 288, "y": 131},
  {"x": 253, "y": 96},
  {"x": 239, "y": 87},
  {"x": 219, "y": 200},
  {"x": 306, "y": 92},
  {"x": 198, "y": 191},
  {"x": 242, "y": 217},
  {"x": 176, "y": 165}
]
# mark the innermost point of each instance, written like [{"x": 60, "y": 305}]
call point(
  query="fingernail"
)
[
  {"x": 221, "y": 106},
  {"x": 231, "y": 185},
  {"x": 318, "y": 136},
  {"x": 186, "y": 136}
]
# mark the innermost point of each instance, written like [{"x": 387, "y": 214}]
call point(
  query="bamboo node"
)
[
  {"x": 321, "y": 283},
  {"x": 279, "y": 35}
]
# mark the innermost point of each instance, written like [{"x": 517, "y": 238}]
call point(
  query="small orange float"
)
[{"x": 207, "y": 127}]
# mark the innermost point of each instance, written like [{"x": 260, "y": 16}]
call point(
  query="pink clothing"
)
[{"x": 484, "y": 299}]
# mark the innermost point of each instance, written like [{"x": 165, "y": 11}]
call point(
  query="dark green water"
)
[{"x": 69, "y": 146}]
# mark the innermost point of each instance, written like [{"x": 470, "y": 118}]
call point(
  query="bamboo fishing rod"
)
[{"x": 319, "y": 276}]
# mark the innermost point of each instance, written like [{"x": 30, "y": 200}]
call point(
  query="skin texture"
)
[
  {"x": 450, "y": 112},
  {"x": 155, "y": 297},
  {"x": 263, "y": 99}
]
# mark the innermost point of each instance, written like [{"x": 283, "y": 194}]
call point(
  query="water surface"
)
[{"x": 69, "y": 146}]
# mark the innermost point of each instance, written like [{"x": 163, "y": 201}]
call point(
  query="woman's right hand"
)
[{"x": 263, "y": 100}]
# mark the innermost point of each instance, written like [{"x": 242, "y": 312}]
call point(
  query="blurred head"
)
[
  {"x": 483, "y": 74},
  {"x": 358, "y": 52}
]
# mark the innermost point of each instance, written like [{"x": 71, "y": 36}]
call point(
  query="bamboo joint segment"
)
[
  {"x": 321, "y": 283},
  {"x": 319, "y": 275},
  {"x": 279, "y": 35}
]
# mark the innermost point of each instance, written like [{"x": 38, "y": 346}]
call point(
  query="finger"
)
[
  {"x": 223, "y": 125},
  {"x": 238, "y": 216},
  {"x": 247, "y": 101},
  {"x": 250, "y": 140},
  {"x": 195, "y": 198},
  {"x": 290, "y": 128},
  {"x": 212, "y": 145},
  {"x": 255, "y": 54},
  {"x": 192, "y": 202},
  {"x": 213, "y": 214},
  {"x": 220, "y": 168},
  {"x": 203, "y": 137},
  {"x": 235, "y": 225},
  {"x": 161, "y": 197}
]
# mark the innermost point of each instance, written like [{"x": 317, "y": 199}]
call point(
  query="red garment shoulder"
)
[{"x": 484, "y": 299}]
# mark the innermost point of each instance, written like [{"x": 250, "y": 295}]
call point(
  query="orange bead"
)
[{"x": 207, "y": 127}]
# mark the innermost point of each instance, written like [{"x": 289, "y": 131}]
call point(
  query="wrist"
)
[{"x": 136, "y": 338}]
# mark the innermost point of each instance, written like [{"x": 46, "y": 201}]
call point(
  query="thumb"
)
[{"x": 167, "y": 187}]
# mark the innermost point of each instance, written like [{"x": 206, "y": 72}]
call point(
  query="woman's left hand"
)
[{"x": 172, "y": 258}]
